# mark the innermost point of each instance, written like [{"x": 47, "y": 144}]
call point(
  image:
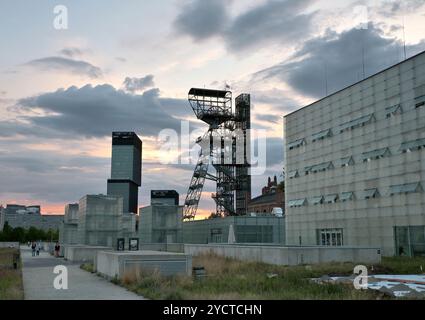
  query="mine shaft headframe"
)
[{"x": 211, "y": 106}]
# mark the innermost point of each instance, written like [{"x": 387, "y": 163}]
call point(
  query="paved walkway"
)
[{"x": 38, "y": 279}]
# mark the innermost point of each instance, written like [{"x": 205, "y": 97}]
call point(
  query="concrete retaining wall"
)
[
  {"x": 9, "y": 245},
  {"x": 289, "y": 256},
  {"x": 81, "y": 253},
  {"x": 168, "y": 247},
  {"x": 113, "y": 264}
]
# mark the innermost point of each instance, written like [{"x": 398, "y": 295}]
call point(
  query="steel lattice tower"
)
[{"x": 226, "y": 146}]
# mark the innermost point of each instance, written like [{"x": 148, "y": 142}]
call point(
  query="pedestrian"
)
[
  {"x": 38, "y": 249},
  {"x": 33, "y": 247},
  {"x": 57, "y": 249}
]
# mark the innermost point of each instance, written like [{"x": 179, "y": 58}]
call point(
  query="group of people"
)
[{"x": 36, "y": 247}]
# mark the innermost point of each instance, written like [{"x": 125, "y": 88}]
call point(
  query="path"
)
[{"x": 38, "y": 279}]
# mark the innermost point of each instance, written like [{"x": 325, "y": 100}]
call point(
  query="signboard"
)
[
  {"x": 120, "y": 244},
  {"x": 133, "y": 244}
]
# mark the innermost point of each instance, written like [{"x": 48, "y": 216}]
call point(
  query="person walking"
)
[
  {"x": 38, "y": 248},
  {"x": 57, "y": 249},
  {"x": 33, "y": 247}
]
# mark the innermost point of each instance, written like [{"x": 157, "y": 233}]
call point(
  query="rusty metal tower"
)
[{"x": 225, "y": 146}]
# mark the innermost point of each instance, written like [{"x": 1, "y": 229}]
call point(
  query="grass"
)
[
  {"x": 11, "y": 286},
  {"x": 88, "y": 267},
  {"x": 232, "y": 279},
  {"x": 229, "y": 279}
]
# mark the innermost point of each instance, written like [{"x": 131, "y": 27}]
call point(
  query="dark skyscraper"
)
[{"x": 126, "y": 169}]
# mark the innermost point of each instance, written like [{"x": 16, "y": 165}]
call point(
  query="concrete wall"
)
[
  {"x": 81, "y": 253},
  {"x": 289, "y": 256},
  {"x": 9, "y": 245},
  {"x": 116, "y": 264},
  {"x": 363, "y": 222}
]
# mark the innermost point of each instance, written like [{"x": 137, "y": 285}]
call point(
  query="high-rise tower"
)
[{"x": 126, "y": 169}]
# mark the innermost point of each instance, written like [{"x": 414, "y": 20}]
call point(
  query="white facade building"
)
[{"x": 355, "y": 164}]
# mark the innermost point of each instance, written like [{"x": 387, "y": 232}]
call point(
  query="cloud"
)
[
  {"x": 340, "y": 57},
  {"x": 202, "y": 19},
  {"x": 71, "y": 52},
  {"x": 77, "y": 67},
  {"x": 92, "y": 112},
  {"x": 391, "y": 8},
  {"x": 276, "y": 21},
  {"x": 138, "y": 84}
]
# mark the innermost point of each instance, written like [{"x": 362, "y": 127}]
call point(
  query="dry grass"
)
[
  {"x": 11, "y": 286},
  {"x": 229, "y": 279}
]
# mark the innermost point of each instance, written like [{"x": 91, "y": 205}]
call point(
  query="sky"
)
[{"x": 128, "y": 65}]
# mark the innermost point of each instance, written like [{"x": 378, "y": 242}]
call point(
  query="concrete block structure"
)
[
  {"x": 68, "y": 231},
  {"x": 161, "y": 222},
  {"x": 116, "y": 264},
  {"x": 244, "y": 229},
  {"x": 355, "y": 165},
  {"x": 99, "y": 219}
]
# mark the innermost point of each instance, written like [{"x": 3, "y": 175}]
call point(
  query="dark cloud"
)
[
  {"x": 202, "y": 19},
  {"x": 391, "y": 8},
  {"x": 340, "y": 57},
  {"x": 269, "y": 118},
  {"x": 71, "y": 52},
  {"x": 93, "y": 112},
  {"x": 78, "y": 67},
  {"x": 275, "y": 21},
  {"x": 50, "y": 176},
  {"x": 138, "y": 84}
]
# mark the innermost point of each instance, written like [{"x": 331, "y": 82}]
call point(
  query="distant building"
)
[
  {"x": 271, "y": 197},
  {"x": 161, "y": 222},
  {"x": 126, "y": 169},
  {"x": 2, "y": 214},
  {"x": 355, "y": 163},
  {"x": 21, "y": 216}
]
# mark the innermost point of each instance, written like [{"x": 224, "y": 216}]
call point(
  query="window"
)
[
  {"x": 419, "y": 101},
  {"x": 394, "y": 110},
  {"x": 322, "y": 135},
  {"x": 297, "y": 203},
  {"x": 319, "y": 167},
  {"x": 376, "y": 154},
  {"x": 296, "y": 144},
  {"x": 331, "y": 198},
  {"x": 216, "y": 236},
  {"x": 346, "y": 196},
  {"x": 406, "y": 188},
  {"x": 293, "y": 174},
  {"x": 330, "y": 237},
  {"x": 410, "y": 240},
  {"x": 412, "y": 145},
  {"x": 360, "y": 122},
  {"x": 316, "y": 200},
  {"x": 346, "y": 162},
  {"x": 420, "y": 96},
  {"x": 371, "y": 194}
]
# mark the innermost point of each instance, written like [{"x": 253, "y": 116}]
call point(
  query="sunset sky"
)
[{"x": 127, "y": 66}]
